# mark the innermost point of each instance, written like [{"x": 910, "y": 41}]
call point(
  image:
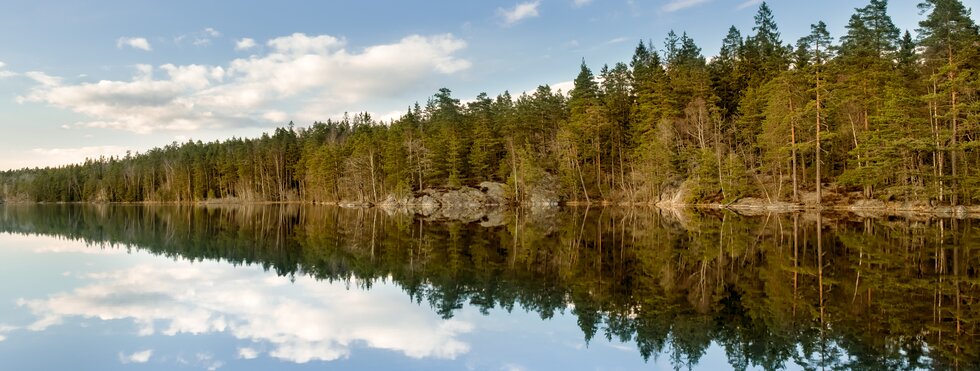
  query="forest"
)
[{"x": 876, "y": 112}]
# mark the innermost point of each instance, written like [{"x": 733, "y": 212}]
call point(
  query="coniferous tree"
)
[{"x": 949, "y": 40}]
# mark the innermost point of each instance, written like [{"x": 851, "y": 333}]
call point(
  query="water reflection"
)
[
  {"x": 205, "y": 298},
  {"x": 772, "y": 290}
]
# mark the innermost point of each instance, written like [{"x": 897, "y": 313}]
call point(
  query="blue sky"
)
[{"x": 80, "y": 79}]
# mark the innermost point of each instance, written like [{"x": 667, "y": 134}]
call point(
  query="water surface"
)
[{"x": 303, "y": 287}]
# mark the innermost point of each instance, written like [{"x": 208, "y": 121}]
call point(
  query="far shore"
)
[{"x": 746, "y": 206}]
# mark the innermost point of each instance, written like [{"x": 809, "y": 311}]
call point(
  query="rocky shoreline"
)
[
  {"x": 490, "y": 201},
  {"x": 864, "y": 207}
]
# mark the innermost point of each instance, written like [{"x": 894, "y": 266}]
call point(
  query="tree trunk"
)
[
  {"x": 819, "y": 195},
  {"x": 792, "y": 137},
  {"x": 374, "y": 189},
  {"x": 513, "y": 158}
]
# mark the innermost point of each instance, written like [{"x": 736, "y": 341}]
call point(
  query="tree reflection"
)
[{"x": 822, "y": 291}]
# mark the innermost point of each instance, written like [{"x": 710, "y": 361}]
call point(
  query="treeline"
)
[
  {"x": 876, "y": 113},
  {"x": 819, "y": 291}
]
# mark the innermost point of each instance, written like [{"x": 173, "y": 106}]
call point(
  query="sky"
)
[{"x": 82, "y": 80}]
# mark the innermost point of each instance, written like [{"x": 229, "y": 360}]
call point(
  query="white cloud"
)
[
  {"x": 199, "y": 38},
  {"x": 520, "y": 12},
  {"x": 41, "y": 157},
  {"x": 580, "y": 3},
  {"x": 318, "y": 71},
  {"x": 245, "y": 44},
  {"x": 247, "y": 353},
  {"x": 748, "y": 3},
  {"x": 299, "y": 322},
  {"x": 4, "y": 73},
  {"x": 5, "y": 329},
  {"x": 138, "y": 357},
  {"x": 276, "y": 116},
  {"x": 207, "y": 360},
  {"x": 389, "y": 116},
  {"x": 70, "y": 155},
  {"x": 676, "y": 5},
  {"x": 43, "y": 78},
  {"x": 134, "y": 42},
  {"x": 565, "y": 86},
  {"x": 300, "y": 44},
  {"x": 617, "y": 40}
]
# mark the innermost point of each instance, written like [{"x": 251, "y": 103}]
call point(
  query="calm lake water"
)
[{"x": 300, "y": 287}]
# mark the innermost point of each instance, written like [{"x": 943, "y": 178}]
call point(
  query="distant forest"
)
[{"x": 877, "y": 112}]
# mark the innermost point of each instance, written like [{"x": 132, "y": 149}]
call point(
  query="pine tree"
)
[
  {"x": 448, "y": 139},
  {"x": 819, "y": 50},
  {"x": 764, "y": 57},
  {"x": 727, "y": 73},
  {"x": 485, "y": 151},
  {"x": 586, "y": 124},
  {"x": 617, "y": 99},
  {"x": 653, "y": 133},
  {"x": 764, "y": 50},
  {"x": 949, "y": 38},
  {"x": 865, "y": 67}
]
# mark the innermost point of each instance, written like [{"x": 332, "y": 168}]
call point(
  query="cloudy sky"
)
[{"x": 81, "y": 80}]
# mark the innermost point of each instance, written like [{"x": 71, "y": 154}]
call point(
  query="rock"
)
[
  {"x": 827, "y": 198},
  {"x": 463, "y": 197},
  {"x": 545, "y": 192},
  {"x": 867, "y": 204},
  {"x": 426, "y": 205},
  {"x": 752, "y": 204},
  {"x": 677, "y": 195},
  {"x": 390, "y": 202},
  {"x": 496, "y": 192},
  {"x": 466, "y": 204}
]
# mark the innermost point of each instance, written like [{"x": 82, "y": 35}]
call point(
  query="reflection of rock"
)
[
  {"x": 353, "y": 204},
  {"x": 494, "y": 218},
  {"x": 545, "y": 218}
]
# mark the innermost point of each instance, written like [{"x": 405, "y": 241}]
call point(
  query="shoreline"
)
[{"x": 749, "y": 206}]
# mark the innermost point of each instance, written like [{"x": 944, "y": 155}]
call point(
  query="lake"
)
[{"x": 260, "y": 287}]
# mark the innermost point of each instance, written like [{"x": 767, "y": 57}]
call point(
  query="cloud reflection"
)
[
  {"x": 300, "y": 322},
  {"x": 57, "y": 245}
]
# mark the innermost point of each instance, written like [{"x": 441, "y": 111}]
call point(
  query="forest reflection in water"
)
[{"x": 772, "y": 290}]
